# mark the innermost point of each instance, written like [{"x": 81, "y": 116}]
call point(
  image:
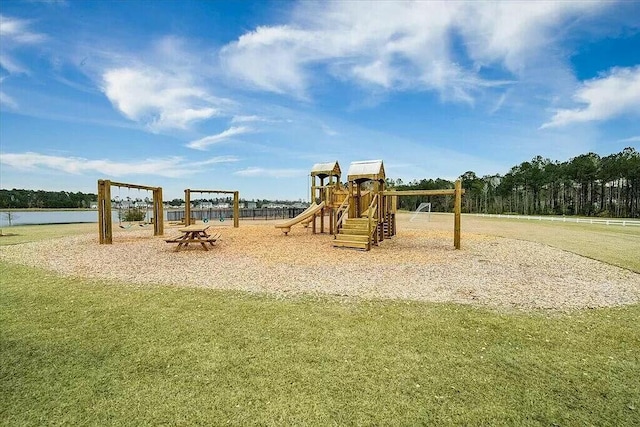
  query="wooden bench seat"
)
[
  {"x": 213, "y": 237},
  {"x": 209, "y": 239}
]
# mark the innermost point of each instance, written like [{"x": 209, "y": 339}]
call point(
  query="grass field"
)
[
  {"x": 612, "y": 244},
  {"x": 102, "y": 353}
]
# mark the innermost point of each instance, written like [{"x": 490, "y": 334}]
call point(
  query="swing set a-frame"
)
[{"x": 105, "y": 220}]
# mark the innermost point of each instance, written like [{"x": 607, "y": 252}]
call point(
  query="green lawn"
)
[
  {"x": 32, "y": 233},
  {"x": 94, "y": 353},
  {"x": 80, "y": 352},
  {"x": 612, "y": 244}
]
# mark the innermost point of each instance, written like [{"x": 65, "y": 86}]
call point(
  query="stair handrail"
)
[
  {"x": 343, "y": 207},
  {"x": 371, "y": 212}
]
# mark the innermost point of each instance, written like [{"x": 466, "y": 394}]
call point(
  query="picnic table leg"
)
[
  {"x": 201, "y": 236},
  {"x": 185, "y": 237}
]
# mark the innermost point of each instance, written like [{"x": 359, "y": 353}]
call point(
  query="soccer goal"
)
[{"x": 423, "y": 213}]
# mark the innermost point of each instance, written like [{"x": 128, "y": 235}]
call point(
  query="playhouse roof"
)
[
  {"x": 369, "y": 169},
  {"x": 326, "y": 169}
]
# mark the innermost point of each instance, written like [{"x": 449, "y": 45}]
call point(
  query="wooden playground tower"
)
[
  {"x": 372, "y": 209},
  {"x": 105, "y": 221},
  {"x": 330, "y": 193},
  {"x": 236, "y": 203},
  {"x": 363, "y": 213}
]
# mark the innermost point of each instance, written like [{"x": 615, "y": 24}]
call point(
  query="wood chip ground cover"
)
[{"x": 417, "y": 264}]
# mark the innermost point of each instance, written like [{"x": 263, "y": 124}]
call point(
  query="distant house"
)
[{"x": 251, "y": 205}]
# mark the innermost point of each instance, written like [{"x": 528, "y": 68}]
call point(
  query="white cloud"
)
[
  {"x": 329, "y": 131},
  {"x": 7, "y": 101},
  {"x": 614, "y": 94},
  {"x": 630, "y": 139},
  {"x": 438, "y": 46},
  {"x": 271, "y": 173},
  {"x": 14, "y": 34},
  {"x": 246, "y": 119},
  {"x": 215, "y": 160},
  {"x": 161, "y": 100},
  {"x": 171, "y": 167},
  {"x": 203, "y": 143},
  {"x": 13, "y": 30}
]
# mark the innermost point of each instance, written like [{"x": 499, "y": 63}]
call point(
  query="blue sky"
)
[{"x": 249, "y": 95}]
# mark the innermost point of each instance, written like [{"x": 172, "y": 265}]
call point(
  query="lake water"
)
[{"x": 53, "y": 217}]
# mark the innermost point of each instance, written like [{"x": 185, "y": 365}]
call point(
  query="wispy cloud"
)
[
  {"x": 399, "y": 45},
  {"x": 248, "y": 119},
  {"x": 203, "y": 143},
  {"x": 171, "y": 167},
  {"x": 7, "y": 101},
  {"x": 216, "y": 160},
  {"x": 271, "y": 173},
  {"x": 614, "y": 94},
  {"x": 630, "y": 139},
  {"x": 329, "y": 131},
  {"x": 15, "y": 33}
]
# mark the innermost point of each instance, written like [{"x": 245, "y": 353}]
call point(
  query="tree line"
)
[
  {"x": 588, "y": 185},
  {"x": 26, "y": 199}
]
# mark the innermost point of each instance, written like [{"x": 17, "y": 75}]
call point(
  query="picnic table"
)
[{"x": 194, "y": 234}]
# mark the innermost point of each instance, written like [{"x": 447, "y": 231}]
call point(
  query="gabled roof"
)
[
  {"x": 369, "y": 169},
  {"x": 326, "y": 169}
]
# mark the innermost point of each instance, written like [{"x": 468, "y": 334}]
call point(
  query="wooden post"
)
[
  {"x": 158, "y": 212},
  {"x": 323, "y": 193},
  {"x": 352, "y": 206},
  {"x": 331, "y": 205},
  {"x": 101, "y": 212},
  {"x": 187, "y": 207},
  {"x": 236, "y": 209},
  {"x": 379, "y": 187},
  {"x": 457, "y": 209},
  {"x": 105, "y": 223}
]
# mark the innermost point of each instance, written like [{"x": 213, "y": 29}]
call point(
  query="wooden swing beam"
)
[
  {"x": 236, "y": 204},
  {"x": 105, "y": 222},
  {"x": 457, "y": 192}
]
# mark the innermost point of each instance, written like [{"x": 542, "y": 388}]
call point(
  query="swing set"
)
[
  {"x": 236, "y": 204},
  {"x": 105, "y": 221},
  {"x": 131, "y": 213}
]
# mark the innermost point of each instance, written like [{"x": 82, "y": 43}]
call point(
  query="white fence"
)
[{"x": 602, "y": 221}]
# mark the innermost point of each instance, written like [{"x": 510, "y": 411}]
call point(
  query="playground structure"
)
[
  {"x": 236, "y": 204},
  {"x": 362, "y": 213},
  {"x": 326, "y": 201},
  {"x": 105, "y": 220}
]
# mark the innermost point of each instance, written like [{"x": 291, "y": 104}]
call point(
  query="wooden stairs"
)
[{"x": 354, "y": 234}]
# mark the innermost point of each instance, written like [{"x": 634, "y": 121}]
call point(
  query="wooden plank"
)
[
  {"x": 442, "y": 192},
  {"x": 192, "y": 228},
  {"x": 214, "y": 191},
  {"x": 135, "y": 186}
]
